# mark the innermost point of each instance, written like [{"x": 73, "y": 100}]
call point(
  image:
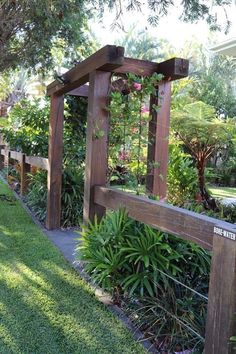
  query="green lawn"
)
[
  {"x": 44, "y": 305},
  {"x": 223, "y": 192}
]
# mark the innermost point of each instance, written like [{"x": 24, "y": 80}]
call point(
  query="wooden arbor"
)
[
  {"x": 210, "y": 233},
  {"x": 97, "y": 70}
]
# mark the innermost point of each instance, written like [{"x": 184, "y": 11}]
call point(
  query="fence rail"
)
[{"x": 25, "y": 163}]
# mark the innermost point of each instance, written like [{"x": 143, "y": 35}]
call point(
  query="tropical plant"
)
[{"x": 197, "y": 126}]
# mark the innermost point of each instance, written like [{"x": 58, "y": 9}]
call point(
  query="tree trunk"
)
[{"x": 209, "y": 202}]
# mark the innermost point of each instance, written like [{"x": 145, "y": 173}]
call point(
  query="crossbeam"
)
[
  {"x": 172, "y": 69},
  {"x": 107, "y": 58}
]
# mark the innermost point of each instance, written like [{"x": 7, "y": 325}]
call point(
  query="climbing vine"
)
[{"x": 130, "y": 113}]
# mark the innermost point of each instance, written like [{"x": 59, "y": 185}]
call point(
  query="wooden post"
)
[
  {"x": 1, "y": 158},
  {"x": 25, "y": 169},
  {"x": 157, "y": 161},
  {"x": 221, "y": 324},
  {"x": 55, "y": 154},
  {"x": 96, "y": 141}
]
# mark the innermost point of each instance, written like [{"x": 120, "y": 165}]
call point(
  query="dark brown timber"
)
[
  {"x": 221, "y": 322},
  {"x": 158, "y": 142},
  {"x": 24, "y": 178},
  {"x": 97, "y": 141},
  {"x": 172, "y": 69},
  {"x": 55, "y": 153},
  {"x": 107, "y": 58}
]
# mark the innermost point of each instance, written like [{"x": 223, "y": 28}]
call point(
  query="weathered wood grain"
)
[
  {"x": 55, "y": 154},
  {"x": 15, "y": 155},
  {"x": 221, "y": 322},
  {"x": 180, "y": 222},
  {"x": 158, "y": 142},
  {"x": 81, "y": 91},
  {"x": 96, "y": 141},
  {"x": 107, "y": 58},
  {"x": 37, "y": 161},
  {"x": 24, "y": 178}
]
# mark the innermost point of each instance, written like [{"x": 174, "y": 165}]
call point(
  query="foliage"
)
[
  {"x": 71, "y": 198},
  {"x": 202, "y": 133},
  {"x": 28, "y": 127},
  {"x": 213, "y": 83},
  {"x": 139, "y": 44},
  {"x": 129, "y": 118},
  {"x": 127, "y": 257},
  {"x": 29, "y": 32},
  {"x": 181, "y": 177},
  {"x": 192, "y": 10},
  {"x": 44, "y": 301}
]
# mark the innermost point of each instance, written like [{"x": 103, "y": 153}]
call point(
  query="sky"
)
[{"x": 170, "y": 28}]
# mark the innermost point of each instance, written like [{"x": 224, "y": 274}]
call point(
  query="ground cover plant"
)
[
  {"x": 45, "y": 307},
  {"x": 147, "y": 272}
]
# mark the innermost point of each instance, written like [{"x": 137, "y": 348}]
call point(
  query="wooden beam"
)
[
  {"x": 221, "y": 322},
  {"x": 81, "y": 91},
  {"x": 172, "y": 69},
  {"x": 97, "y": 141},
  {"x": 158, "y": 141},
  {"x": 37, "y": 161},
  {"x": 16, "y": 155},
  {"x": 24, "y": 178},
  {"x": 180, "y": 222},
  {"x": 55, "y": 154},
  {"x": 107, "y": 58}
]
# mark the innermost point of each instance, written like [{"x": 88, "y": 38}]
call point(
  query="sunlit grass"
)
[
  {"x": 45, "y": 308},
  {"x": 223, "y": 192}
]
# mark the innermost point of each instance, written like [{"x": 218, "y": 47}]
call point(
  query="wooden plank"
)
[
  {"x": 37, "y": 161},
  {"x": 221, "y": 323},
  {"x": 157, "y": 157},
  {"x": 15, "y": 155},
  {"x": 180, "y": 222},
  {"x": 3, "y": 151},
  {"x": 81, "y": 91},
  {"x": 172, "y": 69},
  {"x": 24, "y": 178},
  {"x": 107, "y": 58},
  {"x": 97, "y": 141},
  {"x": 55, "y": 154}
]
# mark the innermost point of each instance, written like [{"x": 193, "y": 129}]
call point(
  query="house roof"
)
[{"x": 227, "y": 47}]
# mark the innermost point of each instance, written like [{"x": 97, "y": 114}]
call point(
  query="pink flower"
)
[
  {"x": 144, "y": 109},
  {"x": 137, "y": 86},
  {"x": 122, "y": 155}
]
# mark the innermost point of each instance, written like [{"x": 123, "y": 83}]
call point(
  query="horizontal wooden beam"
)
[
  {"x": 107, "y": 58},
  {"x": 172, "y": 69},
  {"x": 81, "y": 91},
  {"x": 188, "y": 225},
  {"x": 40, "y": 162},
  {"x": 15, "y": 155}
]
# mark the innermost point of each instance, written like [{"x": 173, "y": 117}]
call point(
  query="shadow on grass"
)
[{"x": 44, "y": 306}]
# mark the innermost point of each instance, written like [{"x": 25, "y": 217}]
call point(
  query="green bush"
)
[
  {"x": 131, "y": 259},
  {"x": 72, "y": 195},
  {"x": 182, "y": 176}
]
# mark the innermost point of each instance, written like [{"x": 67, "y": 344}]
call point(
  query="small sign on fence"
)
[{"x": 224, "y": 233}]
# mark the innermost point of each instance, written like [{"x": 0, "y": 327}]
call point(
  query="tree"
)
[
  {"x": 139, "y": 44},
  {"x": 213, "y": 83},
  {"x": 29, "y": 29},
  {"x": 202, "y": 133},
  {"x": 192, "y": 10}
]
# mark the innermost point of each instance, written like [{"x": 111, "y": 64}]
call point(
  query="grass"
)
[
  {"x": 45, "y": 307},
  {"x": 223, "y": 192}
]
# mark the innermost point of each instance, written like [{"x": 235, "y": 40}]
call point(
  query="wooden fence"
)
[
  {"x": 210, "y": 233},
  {"x": 24, "y": 161}
]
